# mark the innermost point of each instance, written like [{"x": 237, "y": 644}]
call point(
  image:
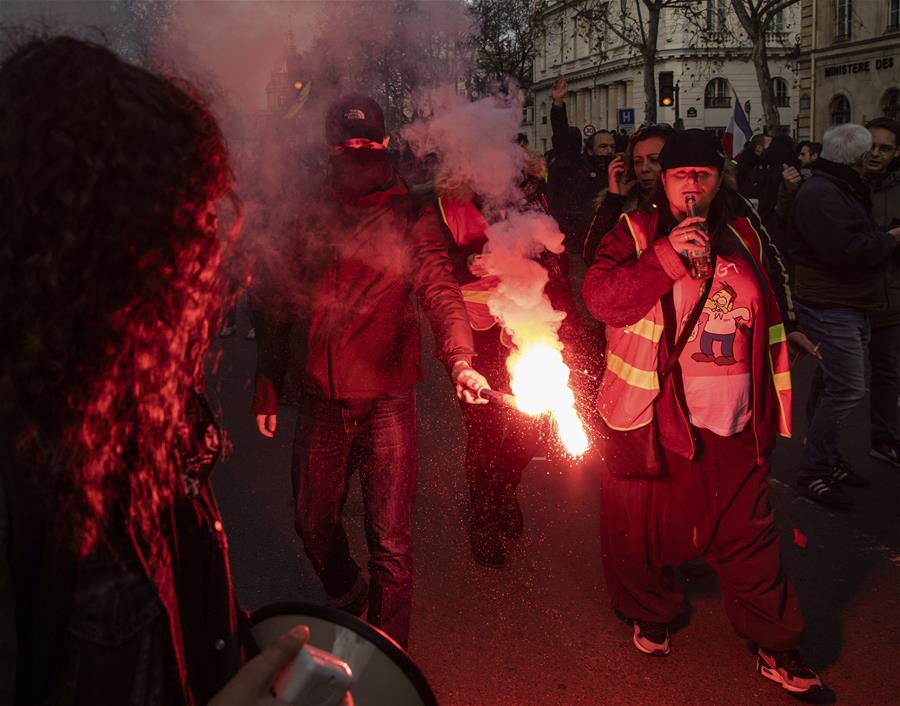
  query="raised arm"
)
[{"x": 620, "y": 287}]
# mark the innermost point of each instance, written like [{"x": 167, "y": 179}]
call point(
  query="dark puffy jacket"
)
[
  {"x": 574, "y": 179},
  {"x": 765, "y": 183},
  {"x": 838, "y": 252},
  {"x": 352, "y": 297},
  {"x": 886, "y": 211},
  {"x": 746, "y": 162}
]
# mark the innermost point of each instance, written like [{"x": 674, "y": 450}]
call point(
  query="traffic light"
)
[{"x": 666, "y": 88}]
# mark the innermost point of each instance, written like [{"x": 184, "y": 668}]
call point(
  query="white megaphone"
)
[{"x": 346, "y": 661}]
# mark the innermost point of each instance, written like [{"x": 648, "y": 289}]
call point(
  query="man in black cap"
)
[
  {"x": 697, "y": 383},
  {"x": 363, "y": 252}
]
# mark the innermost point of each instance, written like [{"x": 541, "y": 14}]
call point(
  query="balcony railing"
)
[{"x": 718, "y": 101}]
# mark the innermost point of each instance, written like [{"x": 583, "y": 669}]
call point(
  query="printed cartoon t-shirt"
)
[{"x": 715, "y": 363}]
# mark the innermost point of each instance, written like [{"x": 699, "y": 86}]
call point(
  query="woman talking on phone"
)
[
  {"x": 632, "y": 183},
  {"x": 697, "y": 385}
]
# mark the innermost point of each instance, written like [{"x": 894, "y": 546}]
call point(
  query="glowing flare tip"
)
[{"x": 540, "y": 383}]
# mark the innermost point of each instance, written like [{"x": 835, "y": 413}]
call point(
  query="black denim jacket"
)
[{"x": 108, "y": 628}]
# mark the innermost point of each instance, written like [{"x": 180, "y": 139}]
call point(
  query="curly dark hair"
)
[{"x": 111, "y": 273}]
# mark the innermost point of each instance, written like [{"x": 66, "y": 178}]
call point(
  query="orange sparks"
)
[{"x": 540, "y": 383}]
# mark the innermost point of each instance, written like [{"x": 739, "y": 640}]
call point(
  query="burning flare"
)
[{"x": 540, "y": 382}]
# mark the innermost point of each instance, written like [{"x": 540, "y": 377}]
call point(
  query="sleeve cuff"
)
[
  {"x": 669, "y": 259},
  {"x": 265, "y": 398},
  {"x": 454, "y": 359}
]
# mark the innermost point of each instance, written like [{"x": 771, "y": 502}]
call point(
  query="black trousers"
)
[{"x": 500, "y": 440}]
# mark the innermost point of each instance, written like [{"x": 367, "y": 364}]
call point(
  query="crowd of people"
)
[
  {"x": 831, "y": 210},
  {"x": 704, "y": 274}
]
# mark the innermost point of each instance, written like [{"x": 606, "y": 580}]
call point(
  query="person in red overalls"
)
[
  {"x": 500, "y": 441},
  {"x": 688, "y": 427}
]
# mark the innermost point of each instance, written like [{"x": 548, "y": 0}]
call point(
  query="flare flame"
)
[{"x": 540, "y": 383}]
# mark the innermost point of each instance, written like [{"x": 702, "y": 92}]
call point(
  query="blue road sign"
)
[{"x": 626, "y": 116}]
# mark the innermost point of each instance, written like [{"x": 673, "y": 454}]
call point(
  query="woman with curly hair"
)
[{"x": 114, "y": 579}]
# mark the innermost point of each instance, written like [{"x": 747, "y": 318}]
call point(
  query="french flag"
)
[{"x": 738, "y": 132}]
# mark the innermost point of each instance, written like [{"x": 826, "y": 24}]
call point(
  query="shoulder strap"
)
[{"x": 688, "y": 328}]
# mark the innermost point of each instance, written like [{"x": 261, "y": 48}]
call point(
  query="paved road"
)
[{"x": 540, "y": 631}]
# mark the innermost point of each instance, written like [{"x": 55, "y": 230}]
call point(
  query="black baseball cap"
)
[
  {"x": 692, "y": 148},
  {"x": 354, "y": 116}
]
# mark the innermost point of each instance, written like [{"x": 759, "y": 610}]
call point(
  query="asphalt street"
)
[{"x": 541, "y": 631}]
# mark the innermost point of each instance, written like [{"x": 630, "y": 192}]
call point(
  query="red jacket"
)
[
  {"x": 352, "y": 296},
  {"x": 620, "y": 288}
]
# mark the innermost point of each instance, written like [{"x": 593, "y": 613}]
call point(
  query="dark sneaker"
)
[
  {"x": 512, "y": 522},
  {"x": 844, "y": 474},
  {"x": 787, "y": 669},
  {"x": 827, "y": 492},
  {"x": 886, "y": 452},
  {"x": 487, "y": 548},
  {"x": 251, "y": 334},
  {"x": 652, "y": 638},
  {"x": 356, "y": 600},
  {"x": 226, "y": 331}
]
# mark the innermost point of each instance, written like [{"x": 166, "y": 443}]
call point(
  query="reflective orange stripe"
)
[
  {"x": 645, "y": 328},
  {"x": 476, "y": 296},
  {"x": 639, "y": 248},
  {"x": 634, "y": 376}
]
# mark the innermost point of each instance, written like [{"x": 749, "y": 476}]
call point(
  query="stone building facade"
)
[
  {"x": 709, "y": 57},
  {"x": 850, "y": 63}
]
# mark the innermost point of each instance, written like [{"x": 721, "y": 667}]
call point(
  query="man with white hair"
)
[{"x": 840, "y": 255}]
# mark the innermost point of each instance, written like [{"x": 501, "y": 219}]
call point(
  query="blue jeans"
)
[
  {"x": 842, "y": 335},
  {"x": 378, "y": 439}
]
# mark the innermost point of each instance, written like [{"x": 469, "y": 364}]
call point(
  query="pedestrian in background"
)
[
  {"x": 575, "y": 178},
  {"x": 749, "y": 158},
  {"x": 501, "y": 442},
  {"x": 883, "y": 176},
  {"x": 772, "y": 185},
  {"x": 840, "y": 257},
  {"x": 632, "y": 184},
  {"x": 807, "y": 153}
]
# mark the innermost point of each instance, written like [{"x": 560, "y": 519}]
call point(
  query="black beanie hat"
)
[
  {"x": 354, "y": 116},
  {"x": 692, "y": 148}
]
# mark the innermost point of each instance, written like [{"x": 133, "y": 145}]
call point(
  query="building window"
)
[
  {"x": 843, "y": 10},
  {"x": 777, "y": 24},
  {"x": 543, "y": 113},
  {"x": 716, "y": 12},
  {"x": 717, "y": 94},
  {"x": 781, "y": 93},
  {"x": 893, "y": 15},
  {"x": 890, "y": 104},
  {"x": 840, "y": 110}
]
